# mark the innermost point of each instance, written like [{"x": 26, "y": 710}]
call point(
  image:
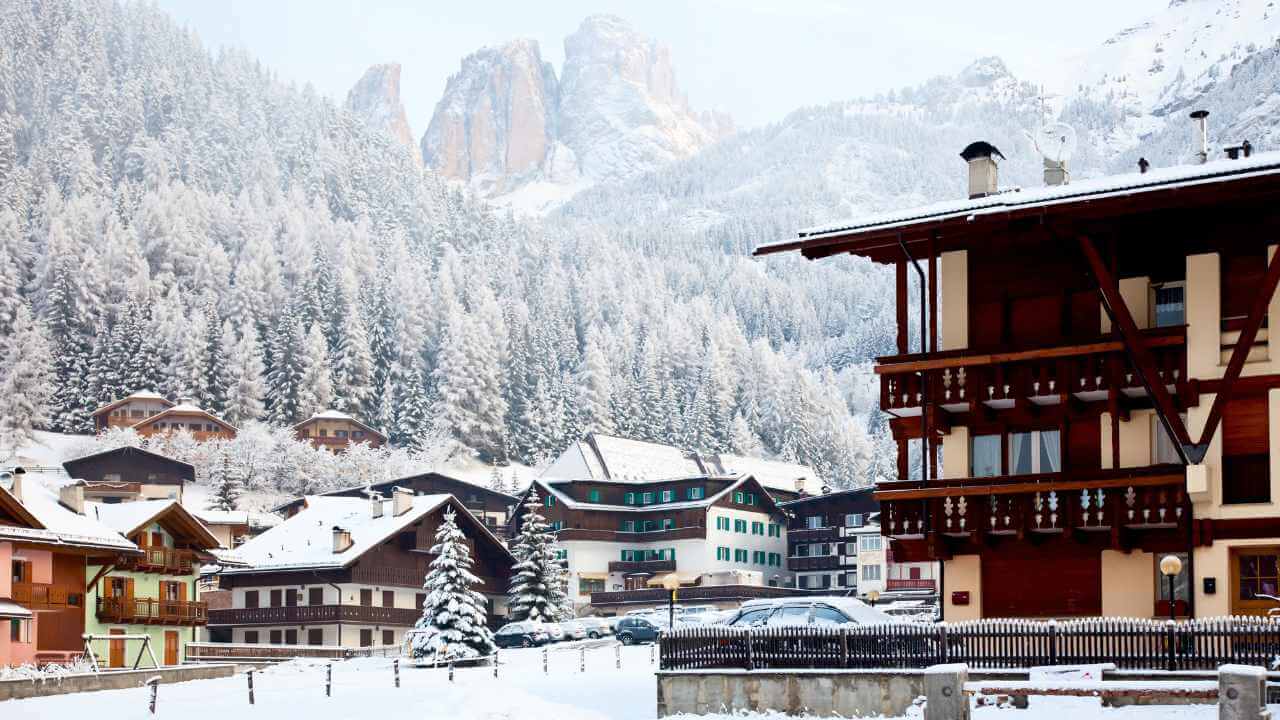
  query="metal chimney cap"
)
[
  {"x": 1199, "y": 114},
  {"x": 981, "y": 149}
]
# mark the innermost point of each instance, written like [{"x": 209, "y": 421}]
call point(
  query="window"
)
[
  {"x": 277, "y": 598},
  {"x": 251, "y": 637},
  {"x": 668, "y": 496},
  {"x": 557, "y": 525},
  {"x": 740, "y": 526},
  {"x": 628, "y": 526},
  {"x": 815, "y": 522},
  {"x": 586, "y": 586},
  {"x": 627, "y": 556},
  {"x": 251, "y": 599},
  {"x": 1038, "y": 451},
  {"x": 1255, "y": 571},
  {"x": 984, "y": 456},
  {"x": 388, "y": 598},
  {"x": 291, "y": 637},
  {"x": 775, "y": 530},
  {"x": 868, "y": 543},
  {"x": 870, "y": 572},
  {"x": 668, "y": 523},
  {"x": 275, "y": 637},
  {"x": 739, "y": 497},
  {"x": 366, "y": 637},
  {"x": 751, "y": 498},
  {"x": 853, "y": 520},
  {"x": 629, "y": 499},
  {"x": 722, "y": 523},
  {"x": 1246, "y": 461},
  {"x": 758, "y": 557},
  {"x": 315, "y": 596},
  {"x": 1169, "y": 306},
  {"x": 562, "y": 554},
  {"x": 388, "y": 637},
  {"x": 419, "y": 600},
  {"x": 549, "y": 501},
  {"x": 915, "y": 460},
  {"x": 366, "y": 598},
  {"x": 341, "y": 433},
  {"x": 315, "y": 636},
  {"x": 823, "y": 615},
  {"x": 739, "y": 555},
  {"x": 775, "y": 560},
  {"x": 1163, "y": 450},
  {"x": 722, "y": 553},
  {"x": 694, "y": 493},
  {"x": 593, "y": 496},
  {"x": 757, "y": 528},
  {"x": 291, "y": 597},
  {"x": 646, "y": 498}
]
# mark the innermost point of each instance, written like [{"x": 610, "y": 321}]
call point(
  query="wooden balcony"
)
[
  {"x": 150, "y": 611},
  {"x": 1116, "y": 501},
  {"x": 819, "y": 562},
  {"x": 168, "y": 561},
  {"x": 683, "y": 533},
  {"x": 959, "y": 381},
  {"x": 810, "y": 535},
  {"x": 910, "y": 584},
  {"x": 44, "y": 596},
  {"x": 314, "y": 614},
  {"x": 642, "y": 567}
]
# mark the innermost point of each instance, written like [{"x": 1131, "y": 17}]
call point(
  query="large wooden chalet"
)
[{"x": 1088, "y": 387}]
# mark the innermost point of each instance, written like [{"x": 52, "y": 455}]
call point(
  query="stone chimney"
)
[
  {"x": 1055, "y": 172},
  {"x": 341, "y": 539},
  {"x": 401, "y": 501},
  {"x": 72, "y": 496},
  {"x": 983, "y": 169},
  {"x": 375, "y": 505},
  {"x": 1200, "y": 136}
]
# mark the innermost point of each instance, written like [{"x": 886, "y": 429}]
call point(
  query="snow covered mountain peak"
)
[
  {"x": 515, "y": 133},
  {"x": 376, "y": 99}
]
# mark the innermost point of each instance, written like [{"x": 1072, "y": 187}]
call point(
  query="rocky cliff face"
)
[
  {"x": 376, "y": 98},
  {"x": 510, "y": 129}
]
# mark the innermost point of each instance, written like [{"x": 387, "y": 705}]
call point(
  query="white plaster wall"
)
[
  {"x": 955, "y": 453},
  {"x": 953, "y": 295}
]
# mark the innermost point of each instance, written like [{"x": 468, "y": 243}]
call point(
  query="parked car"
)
[
  {"x": 572, "y": 629},
  {"x": 635, "y": 629},
  {"x": 556, "y": 631},
  {"x": 590, "y": 627},
  {"x": 807, "y": 611},
  {"x": 521, "y": 634}
]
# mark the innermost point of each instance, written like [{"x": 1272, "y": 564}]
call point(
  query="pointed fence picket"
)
[{"x": 1130, "y": 643}]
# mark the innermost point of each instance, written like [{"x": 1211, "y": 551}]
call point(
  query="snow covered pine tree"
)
[
  {"x": 453, "y": 614},
  {"x": 538, "y": 587}
]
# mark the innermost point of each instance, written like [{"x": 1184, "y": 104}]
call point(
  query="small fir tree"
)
[
  {"x": 453, "y": 614},
  {"x": 538, "y": 589},
  {"x": 226, "y": 485}
]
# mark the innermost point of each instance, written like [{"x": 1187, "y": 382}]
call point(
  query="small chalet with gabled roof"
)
[
  {"x": 149, "y": 413},
  {"x": 127, "y": 473},
  {"x": 131, "y": 410},
  {"x": 348, "y": 571},
  {"x": 334, "y": 430},
  {"x": 153, "y": 594}
]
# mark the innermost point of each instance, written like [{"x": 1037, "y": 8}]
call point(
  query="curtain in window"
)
[
  {"x": 1020, "y": 453},
  {"x": 985, "y": 456},
  {"x": 1050, "y": 451}
]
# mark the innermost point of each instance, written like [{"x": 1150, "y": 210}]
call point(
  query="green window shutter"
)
[
  {"x": 628, "y": 526},
  {"x": 629, "y": 498},
  {"x": 594, "y": 496},
  {"x": 737, "y": 497}
]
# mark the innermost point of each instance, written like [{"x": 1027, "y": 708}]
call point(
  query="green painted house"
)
[{"x": 152, "y": 594}]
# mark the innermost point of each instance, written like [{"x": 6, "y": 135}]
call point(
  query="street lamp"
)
[
  {"x": 873, "y": 596},
  {"x": 672, "y": 583},
  {"x": 1170, "y": 566}
]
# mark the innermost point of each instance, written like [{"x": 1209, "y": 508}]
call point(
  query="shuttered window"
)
[{"x": 1246, "y": 464}]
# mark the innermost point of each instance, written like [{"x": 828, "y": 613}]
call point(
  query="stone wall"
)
[
  {"x": 848, "y": 693},
  {"x": 109, "y": 680}
]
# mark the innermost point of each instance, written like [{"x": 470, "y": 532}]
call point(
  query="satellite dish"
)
[{"x": 1055, "y": 141}]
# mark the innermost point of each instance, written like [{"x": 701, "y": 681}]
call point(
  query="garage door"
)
[{"x": 1059, "y": 579}]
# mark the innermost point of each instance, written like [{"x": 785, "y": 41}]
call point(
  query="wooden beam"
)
[
  {"x": 1027, "y": 487},
  {"x": 887, "y": 365},
  {"x": 904, "y": 346},
  {"x": 1139, "y": 354},
  {"x": 1248, "y": 334},
  {"x": 933, "y": 293}
]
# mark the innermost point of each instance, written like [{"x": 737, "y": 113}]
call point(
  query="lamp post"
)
[
  {"x": 873, "y": 596},
  {"x": 672, "y": 583},
  {"x": 1170, "y": 566}
]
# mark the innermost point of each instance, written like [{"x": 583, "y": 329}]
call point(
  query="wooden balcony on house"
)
[
  {"x": 45, "y": 596},
  {"x": 368, "y": 574},
  {"x": 1116, "y": 501},
  {"x": 893, "y": 584},
  {"x": 314, "y": 614},
  {"x": 169, "y": 561},
  {"x": 811, "y": 535},
  {"x": 959, "y": 381},
  {"x": 817, "y": 562},
  {"x": 642, "y": 567},
  {"x": 151, "y": 611},
  {"x": 684, "y": 533}
]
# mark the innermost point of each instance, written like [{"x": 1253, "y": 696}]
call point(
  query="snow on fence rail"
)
[{"x": 1129, "y": 643}]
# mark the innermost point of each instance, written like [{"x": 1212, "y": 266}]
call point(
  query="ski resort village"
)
[{"x": 341, "y": 378}]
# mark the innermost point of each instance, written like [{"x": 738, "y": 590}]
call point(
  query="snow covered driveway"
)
[{"x": 364, "y": 690}]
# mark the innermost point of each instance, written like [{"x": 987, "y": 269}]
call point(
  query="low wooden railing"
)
[
  {"x": 910, "y": 584},
  {"x": 814, "y": 562},
  {"x": 169, "y": 561},
  {"x": 252, "y": 652},
  {"x": 822, "y": 534},
  {"x": 42, "y": 596},
  {"x": 642, "y": 566},
  {"x": 151, "y": 611},
  {"x": 1131, "y": 644},
  {"x": 311, "y": 614}
]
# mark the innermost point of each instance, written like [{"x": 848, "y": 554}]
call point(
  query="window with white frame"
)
[
  {"x": 853, "y": 520},
  {"x": 984, "y": 456},
  {"x": 1037, "y": 451},
  {"x": 815, "y": 522},
  {"x": 869, "y": 543},
  {"x": 1168, "y": 306},
  {"x": 870, "y": 572}
]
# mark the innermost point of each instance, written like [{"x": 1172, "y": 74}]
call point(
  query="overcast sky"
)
[{"x": 757, "y": 59}]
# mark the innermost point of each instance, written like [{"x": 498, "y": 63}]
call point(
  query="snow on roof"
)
[
  {"x": 774, "y": 474},
  {"x": 331, "y": 415},
  {"x": 251, "y": 518},
  {"x": 10, "y": 609},
  {"x": 569, "y": 502},
  {"x": 1258, "y": 165},
  {"x": 64, "y": 525},
  {"x": 126, "y": 517},
  {"x": 140, "y": 395},
  {"x": 306, "y": 539}
]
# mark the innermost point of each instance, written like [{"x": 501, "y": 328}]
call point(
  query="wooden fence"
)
[{"x": 1132, "y": 644}]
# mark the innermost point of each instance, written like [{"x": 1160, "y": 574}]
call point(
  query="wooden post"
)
[
  {"x": 328, "y": 680},
  {"x": 933, "y": 294},
  {"x": 617, "y": 656},
  {"x": 155, "y": 687},
  {"x": 495, "y": 663},
  {"x": 904, "y": 346},
  {"x": 450, "y": 671},
  {"x": 544, "y": 661},
  {"x": 395, "y": 668},
  {"x": 582, "y": 660},
  {"x": 250, "y": 676}
]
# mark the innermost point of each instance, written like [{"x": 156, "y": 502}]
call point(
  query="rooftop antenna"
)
[{"x": 1056, "y": 142}]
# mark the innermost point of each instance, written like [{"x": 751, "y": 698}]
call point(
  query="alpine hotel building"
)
[{"x": 1091, "y": 387}]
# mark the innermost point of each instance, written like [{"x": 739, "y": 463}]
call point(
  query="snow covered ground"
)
[{"x": 364, "y": 689}]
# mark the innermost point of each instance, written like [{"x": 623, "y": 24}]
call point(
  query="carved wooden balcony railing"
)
[
  {"x": 820, "y": 562},
  {"x": 151, "y": 611},
  {"x": 910, "y": 584},
  {"x": 44, "y": 596},
  {"x": 169, "y": 561},
  {"x": 1145, "y": 498},
  {"x": 810, "y": 535},
  {"x": 642, "y": 566},
  {"x": 957, "y": 380},
  {"x": 314, "y": 614}
]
